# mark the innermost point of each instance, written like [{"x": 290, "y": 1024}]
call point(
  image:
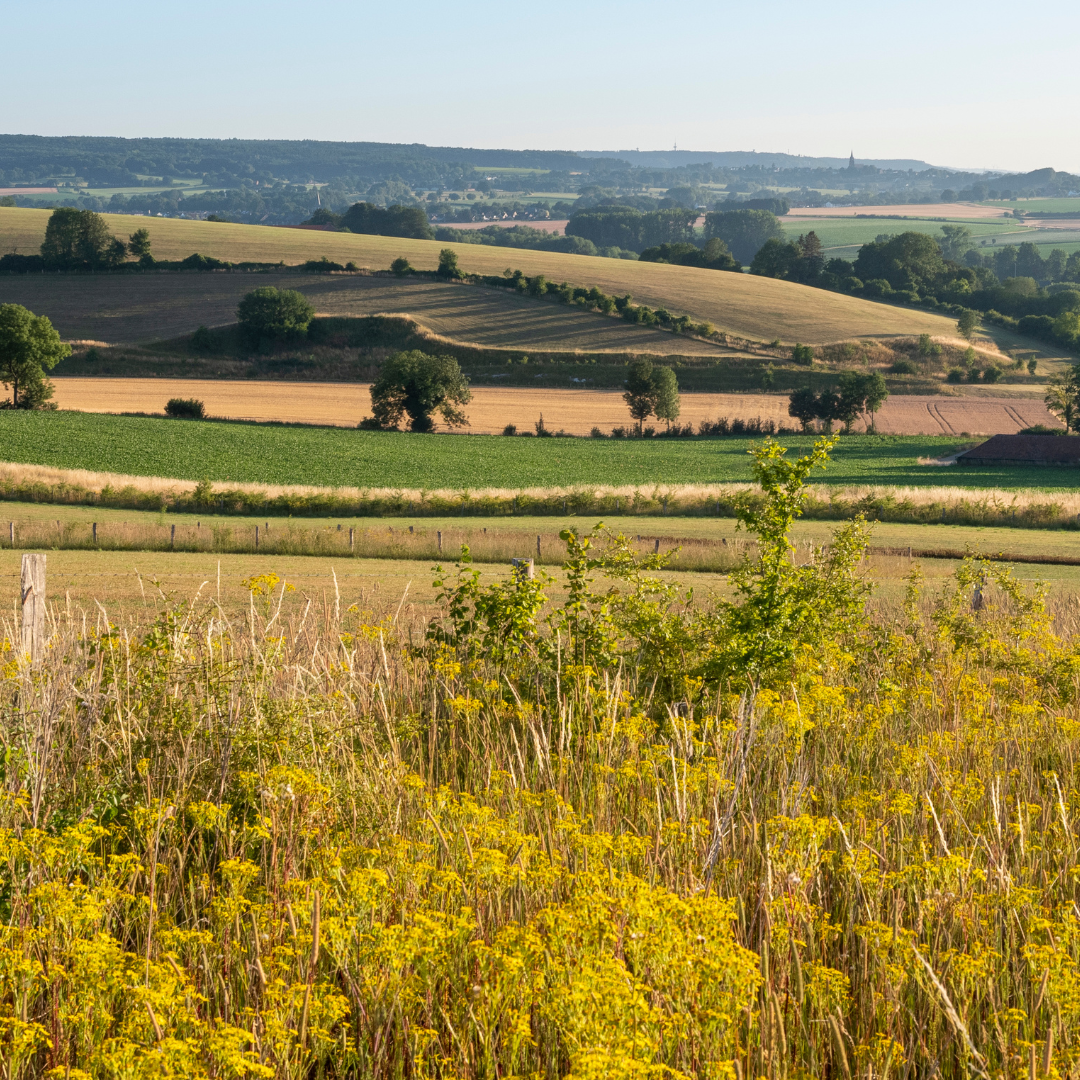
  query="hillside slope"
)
[
  {"x": 127, "y": 309},
  {"x": 753, "y": 307}
]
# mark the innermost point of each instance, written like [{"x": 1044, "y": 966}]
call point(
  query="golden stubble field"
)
[
  {"x": 758, "y": 308},
  {"x": 492, "y": 408}
]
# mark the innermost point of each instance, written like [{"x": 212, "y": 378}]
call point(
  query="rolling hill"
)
[{"x": 751, "y": 307}]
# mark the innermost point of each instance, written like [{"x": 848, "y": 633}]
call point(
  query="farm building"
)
[{"x": 1024, "y": 450}]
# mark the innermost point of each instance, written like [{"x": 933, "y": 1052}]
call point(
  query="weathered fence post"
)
[
  {"x": 352, "y": 538},
  {"x": 538, "y": 549},
  {"x": 656, "y": 546},
  {"x": 257, "y": 537},
  {"x": 95, "y": 534},
  {"x": 172, "y": 537},
  {"x": 439, "y": 537},
  {"x": 11, "y": 532},
  {"x": 524, "y": 569},
  {"x": 33, "y": 606}
]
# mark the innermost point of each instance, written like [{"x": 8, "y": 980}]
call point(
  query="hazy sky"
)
[{"x": 952, "y": 82}]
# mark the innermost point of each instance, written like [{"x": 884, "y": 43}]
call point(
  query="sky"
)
[{"x": 952, "y": 82}]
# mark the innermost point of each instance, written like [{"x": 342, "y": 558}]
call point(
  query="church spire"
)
[{"x": 851, "y": 160}]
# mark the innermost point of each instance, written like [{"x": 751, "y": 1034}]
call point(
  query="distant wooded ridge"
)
[{"x": 114, "y": 161}]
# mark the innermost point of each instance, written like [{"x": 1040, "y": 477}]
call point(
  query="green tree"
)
[
  {"x": 666, "y": 389},
  {"x": 803, "y": 405},
  {"x": 448, "y": 265},
  {"x": 416, "y": 385},
  {"x": 640, "y": 396},
  {"x": 78, "y": 239},
  {"x": 139, "y": 244},
  {"x": 967, "y": 323},
  {"x": 802, "y": 354},
  {"x": 955, "y": 241},
  {"x": 274, "y": 314},
  {"x": 400, "y": 267},
  {"x": 1063, "y": 397},
  {"x": 29, "y": 346},
  {"x": 744, "y": 231},
  {"x": 875, "y": 395}
]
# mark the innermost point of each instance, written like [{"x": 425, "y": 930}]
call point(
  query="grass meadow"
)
[
  {"x": 757, "y": 308},
  {"x": 598, "y": 825}
]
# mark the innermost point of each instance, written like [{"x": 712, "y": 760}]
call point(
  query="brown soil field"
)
[
  {"x": 492, "y": 408},
  {"x": 912, "y": 210},
  {"x": 129, "y": 309},
  {"x": 758, "y": 308},
  {"x": 555, "y": 226}
]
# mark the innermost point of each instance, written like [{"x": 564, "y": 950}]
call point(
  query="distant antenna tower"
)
[{"x": 675, "y": 147}]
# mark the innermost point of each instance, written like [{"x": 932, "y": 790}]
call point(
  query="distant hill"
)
[{"x": 737, "y": 159}]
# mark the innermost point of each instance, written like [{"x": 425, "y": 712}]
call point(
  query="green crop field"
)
[
  {"x": 1032, "y": 206},
  {"x": 845, "y": 232},
  {"x": 134, "y": 308},
  {"x": 248, "y": 453},
  {"x": 757, "y": 308}
]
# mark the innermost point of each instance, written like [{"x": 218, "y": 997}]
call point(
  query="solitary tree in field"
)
[
  {"x": 139, "y": 244},
  {"x": 803, "y": 405},
  {"x": 640, "y": 396},
  {"x": 1063, "y": 397},
  {"x": 274, "y": 314},
  {"x": 29, "y": 346},
  {"x": 666, "y": 386},
  {"x": 967, "y": 323},
  {"x": 416, "y": 385},
  {"x": 448, "y": 266}
]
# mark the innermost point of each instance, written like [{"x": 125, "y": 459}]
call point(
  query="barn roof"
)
[{"x": 1032, "y": 449}]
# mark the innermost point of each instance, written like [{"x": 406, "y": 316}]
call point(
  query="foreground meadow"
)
[{"x": 620, "y": 832}]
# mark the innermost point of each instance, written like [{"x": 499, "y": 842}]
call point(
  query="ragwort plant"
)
[{"x": 607, "y": 831}]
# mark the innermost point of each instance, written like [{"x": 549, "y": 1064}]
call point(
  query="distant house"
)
[{"x": 1024, "y": 450}]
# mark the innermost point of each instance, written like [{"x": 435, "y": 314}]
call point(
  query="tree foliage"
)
[
  {"x": 80, "y": 240},
  {"x": 417, "y": 385},
  {"x": 713, "y": 256},
  {"x": 744, "y": 231},
  {"x": 632, "y": 229},
  {"x": 1063, "y": 397},
  {"x": 29, "y": 347},
  {"x": 271, "y": 314},
  {"x": 406, "y": 221}
]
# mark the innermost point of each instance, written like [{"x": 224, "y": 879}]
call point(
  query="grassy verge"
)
[{"x": 603, "y": 837}]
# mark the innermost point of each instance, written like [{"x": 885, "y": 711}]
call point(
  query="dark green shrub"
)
[
  {"x": 185, "y": 408},
  {"x": 270, "y": 314}
]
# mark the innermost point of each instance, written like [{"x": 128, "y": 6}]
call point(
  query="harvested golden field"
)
[
  {"x": 129, "y": 309},
  {"x": 493, "y": 407},
  {"x": 759, "y": 308}
]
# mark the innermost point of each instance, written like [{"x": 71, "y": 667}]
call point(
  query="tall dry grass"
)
[
  {"x": 297, "y": 845},
  {"x": 1021, "y": 508}
]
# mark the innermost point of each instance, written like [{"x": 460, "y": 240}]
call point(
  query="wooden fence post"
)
[
  {"x": 439, "y": 537},
  {"x": 33, "y": 606},
  {"x": 172, "y": 537},
  {"x": 95, "y": 534},
  {"x": 257, "y": 537},
  {"x": 538, "y": 549},
  {"x": 352, "y": 538},
  {"x": 11, "y": 533}
]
